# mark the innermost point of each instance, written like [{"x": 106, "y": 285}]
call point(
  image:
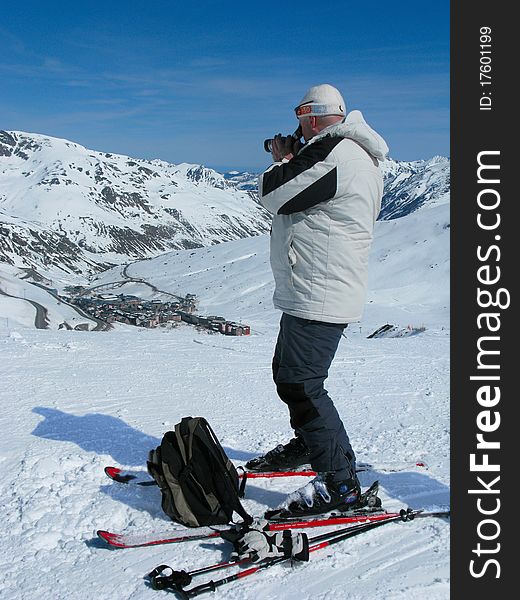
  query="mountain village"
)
[{"x": 131, "y": 310}]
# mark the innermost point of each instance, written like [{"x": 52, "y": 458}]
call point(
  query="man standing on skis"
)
[{"x": 325, "y": 196}]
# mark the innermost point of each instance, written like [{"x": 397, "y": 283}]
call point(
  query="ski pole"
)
[
  {"x": 183, "y": 578},
  {"x": 333, "y": 520},
  {"x": 177, "y": 580},
  {"x": 317, "y": 543}
]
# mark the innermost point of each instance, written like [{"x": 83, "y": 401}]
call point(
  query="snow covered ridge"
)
[
  {"x": 64, "y": 206},
  {"x": 410, "y": 185}
]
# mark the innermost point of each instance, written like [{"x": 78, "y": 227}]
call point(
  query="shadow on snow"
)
[
  {"x": 104, "y": 434},
  {"x": 127, "y": 447},
  {"x": 97, "y": 433}
]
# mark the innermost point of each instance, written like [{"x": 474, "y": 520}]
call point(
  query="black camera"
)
[{"x": 268, "y": 144}]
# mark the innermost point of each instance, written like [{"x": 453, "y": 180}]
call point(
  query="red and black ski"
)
[
  {"x": 139, "y": 539},
  {"x": 142, "y": 478},
  {"x": 370, "y": 510}
]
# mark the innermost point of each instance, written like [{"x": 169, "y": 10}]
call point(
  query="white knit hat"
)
[{"x": 321, "y": 100}]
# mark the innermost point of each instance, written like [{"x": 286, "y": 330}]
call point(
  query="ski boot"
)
[
  {"x": 286, "y": 457},
  {"x": 322, "y": 496}
]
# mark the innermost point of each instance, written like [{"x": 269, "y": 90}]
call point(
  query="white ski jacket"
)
[{"x": 325, "y": 202}]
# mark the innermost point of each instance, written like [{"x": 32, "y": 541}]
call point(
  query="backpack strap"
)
[
  {"x": 237, "y": 505},
  {"x": 184, "y": 430},
  {"x": 242, "y": 488},
  {"x": 178, "y": 434}
]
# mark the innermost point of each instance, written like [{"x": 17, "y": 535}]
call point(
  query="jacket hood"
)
[{"x": 356, "y": 128}]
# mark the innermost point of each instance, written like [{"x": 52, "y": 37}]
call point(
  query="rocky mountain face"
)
[
  {"x": 64, "y": 207},
  {"x": 410, "y": 185}
]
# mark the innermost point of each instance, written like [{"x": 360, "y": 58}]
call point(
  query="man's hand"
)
[{"x": 284, "y": 147}]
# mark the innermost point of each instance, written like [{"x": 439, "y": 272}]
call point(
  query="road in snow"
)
[{"x": 40, "y": 317}]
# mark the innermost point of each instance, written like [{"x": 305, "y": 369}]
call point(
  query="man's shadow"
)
[
  {"x": 127, "y": 446},
  {"x": 102, "y": 434}
]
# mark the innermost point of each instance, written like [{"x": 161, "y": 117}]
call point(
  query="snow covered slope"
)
[
  {"x": 410, "y": 185},
  {"x": 27, "y": 301},
  {"x": 65, "y": 207},
  {"x": 91, "y": 399}
]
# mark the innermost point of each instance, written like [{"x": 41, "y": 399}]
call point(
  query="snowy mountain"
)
[
  {"x": 244, "y": 180},
  {"x": 409, "y": 274},
  {"x": 64, "y": 206},
  {"x": 410, "y": 185}
]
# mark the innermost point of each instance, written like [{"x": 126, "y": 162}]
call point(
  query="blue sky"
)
[{"x": 206, "y": 82}]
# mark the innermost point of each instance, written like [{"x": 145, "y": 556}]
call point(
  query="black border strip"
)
[{"x": 482, "y": 122}]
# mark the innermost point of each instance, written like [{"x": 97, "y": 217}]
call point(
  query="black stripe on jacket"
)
[
  {"x": 308, "y": 157},
  {"x": 323, "y": 189}
]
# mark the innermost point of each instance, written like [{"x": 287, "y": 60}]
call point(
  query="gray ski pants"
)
[{"x": 303, "y": 354}]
